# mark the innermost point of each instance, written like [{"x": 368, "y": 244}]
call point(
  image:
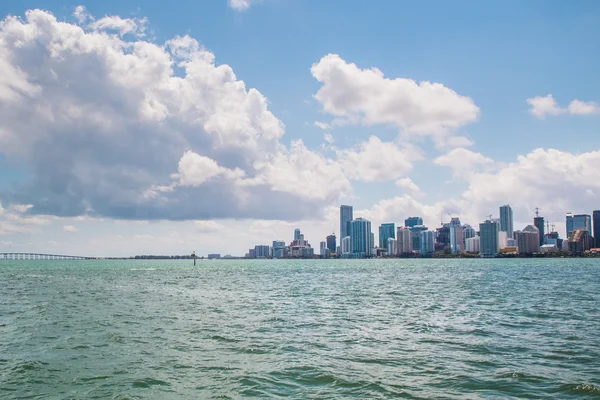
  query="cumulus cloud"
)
[
  {"x": 365, "y": 96},
  {"x": 240, "y": 5},
  {"x": 462, "y": 161},
  {"x": 69, "y": 228},
  {"x": 409, "y": 186},
  {"x": 375, "y": 160},
  {"x": 322, "y": 125},
  {"x": 81, "y": 14},
  {"x": 14, "y": 220},
  {"x": 108, "y": 129},
  {"x": 547, "y": 105},
  {"x": 556, "y": 181}
]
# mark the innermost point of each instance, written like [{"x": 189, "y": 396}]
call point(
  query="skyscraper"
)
[
  {"x": 323, "y": 249},
  {"x": 386, "y": 231},
  {"x": 596, "y": 218},
  {"x": 528, "y": 240},
  {"x": 413, "y": 221},
  {"x": 361, "y": 237},
  {"x": 506, "y": 220},
  {"x": 427, "y": 242},
  {"x": 297, "y": 234},
  {"x": 578, "y": 221},
  {"x": 456, "y": 239},
  {"x": 404, "y": 241},
  {"x": 345, "y": 218},
  {"x": 538, "y": 222},
  {"x": 488, "y": 238},
  {"x": 331, "y": 243}
]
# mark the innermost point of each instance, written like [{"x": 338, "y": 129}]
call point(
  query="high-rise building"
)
[
  {"x": 455, "y": 221},
  {"x": 427, "y": 239},
  {"x": 413, "y": 221},
  {"x": 472, "y": 244},
  {"x": 502, "y": 240},
  {"x": 404, "y": 241},
  {"x": 331, "y": 243},
  {"x": 443, "y": 237},
  {"x": 386, "y": 231},
  {"x": 456, "y": 239},
  {"x": 345, "y": 218},
  {"x": 488, "y": 238},
  {"x": 262, "y": 251},
  {"x": 297, "y": 234},
  {"x": 362, "y": 238},
  {"x": 538, "y": 222},
  {"x": 346, "y": 246},
  {"x": 528, "y": 241},
  {"x": 416, "y": 236},
  {"x": 579, "y": 221},
  {"x": 392, "y": 247},
  {"x": 596, "y": 219},
  {"x": 579, "y": 241},
  {"x": 506, "y": 220},
  {"x": 324, "y": 251}
]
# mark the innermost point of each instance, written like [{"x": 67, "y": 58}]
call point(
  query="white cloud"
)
[
  {"x": 69, "y": 228},
  {"x": 195, "y": 169},
  {"x": 409, "y": 186},
  {"x": 365, "y": 96},
  {"x": 304, "y": 173},
  {"x": 463, "y": 161},
  {"x": 240, "y": 5},
  {"x": 124, "y": 26},
  {"x": 81, "y": 14},
  {"x": 102, "y": 124},
  {"x": 375, "y": 160},
  {"x": 578, "y": 107},
  {"x": 322, "y": 125},
  {"x": 328, "y": 137},
  {"x": 547, "y": 105}
]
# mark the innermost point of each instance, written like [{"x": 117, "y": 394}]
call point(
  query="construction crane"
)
[{"x": 489, "y": 217}]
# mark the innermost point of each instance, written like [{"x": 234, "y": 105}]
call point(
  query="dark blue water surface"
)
[{"x": 300, "y": 329}]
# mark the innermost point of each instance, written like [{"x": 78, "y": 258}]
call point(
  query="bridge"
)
[{"x": 36, "y": 256}]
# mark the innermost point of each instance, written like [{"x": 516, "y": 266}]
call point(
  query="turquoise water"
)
[{"x": 300, "y": 329}]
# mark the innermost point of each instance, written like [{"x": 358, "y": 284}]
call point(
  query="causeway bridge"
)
[{"x": 37, "y": 256}]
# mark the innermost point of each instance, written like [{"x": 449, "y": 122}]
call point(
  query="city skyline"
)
[{"x": 180, "y": 139}]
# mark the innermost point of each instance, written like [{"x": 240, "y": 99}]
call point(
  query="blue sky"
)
[{"x": 498, "y": 53}]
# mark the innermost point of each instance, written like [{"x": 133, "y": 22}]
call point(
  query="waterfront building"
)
[
  {"x": 511, "y": 242},
  {"x": 392, "y": 247},
  {"x": 279, "y": 253},
  {"x": 596, "y": 220},
  {"x": 331, "y": 243},
  {"x": 488, "y": 243},
  {"x": 386, "y": 231},
  {"x": 578, "y": 221},
  {"x": 443, "y": 237},
  {"x": 362, "y": 238},
  {"x": 502, "y": 240},
  {"x": 455, "y": 221},
  {"x": 214, "y": 256},
  {"x": 472, "y": 245},
  {"x": 469, "y": 231},
  {"x": 416, "y": 236},
  {"x": 549, "y": 248},
  {"x": 528, "y": 240},
  {"x": 345, "y": 219},
  {"x": 346, "y": 246},
  {"x": 456, "y": 239},
  {"x": 297, "y": 234},
  {"x": 262, "y": 251},
  {"x": 506, "y": 220},
  {"x": 251, "y": 253},
  {"x": 413, "y": 221},
  {"x": 323, "y": 250},
  {"x": 579, "y": 241},
  {"x": 427, "y": 242},
  {"x": 538, "y": 222},
  {"x": 404, "y": 241},
  {"x": 307, "y": 252}
]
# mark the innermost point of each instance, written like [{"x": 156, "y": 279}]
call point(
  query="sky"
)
[{"x": 131, "y": 127}]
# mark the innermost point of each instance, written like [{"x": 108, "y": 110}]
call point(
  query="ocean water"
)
[{"x": 300, "y": 329}]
